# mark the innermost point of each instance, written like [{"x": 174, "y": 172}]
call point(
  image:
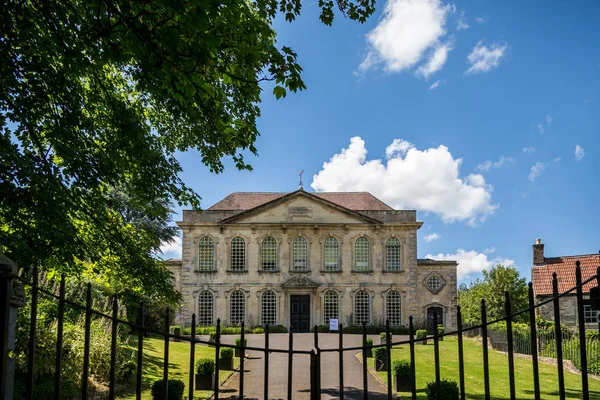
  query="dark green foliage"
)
[
  {"x": 258, "y": 329},
  {"x": 369, "y": 342},
  {"x": 278, "y": 329},
  {"x": 448, "y": 390},
  {"x": 205, "y": 366},
  {"x": 401, "y": 368},
  {"x": 383, "y": 337},
  {"x": 321, "y": 329},
  {"x": 238, "y": 342},
  {"x": 175, "y": 330},
  {"x": 226, "y": 352},
  {"x": 380, "y": 353},
  {"x": 421, "y": 334},
  {"x": 207, "y": 330},
  {"x": 176, "y": 389},
  {"x": 440, "y": 330},
  {"x": 371, "y": 330}
]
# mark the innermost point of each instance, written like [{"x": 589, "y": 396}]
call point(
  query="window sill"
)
[
  {"x": 230, "y": 271},
  {"x": 214, "y": 271},
  {"x": 387, "y": 271},
  {"x": 330, "y": 272},
  {"x": 308, "y": 271},
  {"x": 275, "y": 271},
  {"x": 363, "y": 272}
]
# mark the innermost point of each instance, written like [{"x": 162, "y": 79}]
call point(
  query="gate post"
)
[{"x": 314, "y": 384}]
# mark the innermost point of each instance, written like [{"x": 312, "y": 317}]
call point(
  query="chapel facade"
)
[{"x": 300, "y": 259}]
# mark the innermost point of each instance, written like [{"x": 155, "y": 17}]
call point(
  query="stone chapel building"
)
[{"x": 299, "y": 259}]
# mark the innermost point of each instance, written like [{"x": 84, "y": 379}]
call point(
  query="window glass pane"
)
[
  {"x": 362, "y": 308},
  {"x": 238, "y": 254},
  {"x": 269, "y": 254},
  {"x": 300, "y": 254},
  {"x": 331, "y": 254},
  {"x": 392, "y": 255},
  {"x": 205, "y": 308},
  {"x": 269, "y": 308},
  {"x": 237, "y": 308},
  {"x": 361, "y": 255},
  {"x": 591, "y": 316},
  {"x": 206, "y": 254},
  {"x": 330, "y": 306},
  {"x": 394, "y": 309},
  {"x": 434, "y": 283}
]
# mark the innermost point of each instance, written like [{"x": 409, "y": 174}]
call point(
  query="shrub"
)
[
  {"x": 226, "y": 352},
  {"x": 176, "y": 388},
  {"x": 205, "y": 366},
  {"x": 401, "y": 367},
  {"x": 383, "y": 337},
  {"x": 448, "y": 391},
  {"x": 380, "y": 353},
  {"x": 238, "y": 342},
  {"x": 369, "y": 342},
  {"x": 258, "y": 329},
  {"x": 440, "y": 330},
  {"x": 175, "y": 330},
  {"x": 278, "y": 329},
  {"x": 421, "y": 334},
  {"x": 320, "y": 329}
]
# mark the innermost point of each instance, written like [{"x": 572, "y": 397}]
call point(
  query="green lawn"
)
[
  {"x": 498, "y": 363},
  {"x": 179, "y": 367}
]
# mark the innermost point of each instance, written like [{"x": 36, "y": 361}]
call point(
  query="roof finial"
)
[{"x": 301, "y": 185}]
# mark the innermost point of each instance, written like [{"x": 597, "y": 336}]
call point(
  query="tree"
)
[
  {"x": 102, "y": 94},
  {"x": 492, "y": 288}
]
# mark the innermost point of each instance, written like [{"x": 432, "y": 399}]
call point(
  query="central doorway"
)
[{"x": 300, "y": 313}]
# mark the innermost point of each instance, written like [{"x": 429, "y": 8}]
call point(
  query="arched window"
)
[
  {"x": 330, "y": 306},
  {"x": 362, "y": 308},
  {"x": 361, "y": 255},
  {"x": 269, "y": 254},
  {"x": 205, "y": 308},
  {"x": 300, "y": 254},
  {"x": 392, "y": 255},
  {"x": 269, "y": 308},
  {"x": 238, "y": 254},
  {"x": 206, "y": 254},
  {"x": 331, "y": 256},
  {"x": 237, "y": 307},
  {"x": 394, "y": 308}
]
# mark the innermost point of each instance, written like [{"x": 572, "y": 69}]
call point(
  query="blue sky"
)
[{"x": 469, "y": 111}]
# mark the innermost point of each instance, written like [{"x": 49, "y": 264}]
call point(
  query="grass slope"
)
[
  {"x": 498, "y": 364},
  {"x": 179, "y": 367}
]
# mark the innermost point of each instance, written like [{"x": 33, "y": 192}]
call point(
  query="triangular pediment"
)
[
  {"x": 300, "y": 207},
  {"x": 299, "y": 282}
]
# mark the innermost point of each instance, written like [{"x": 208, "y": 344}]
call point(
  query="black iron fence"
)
[{"x": 7, "y": 278}]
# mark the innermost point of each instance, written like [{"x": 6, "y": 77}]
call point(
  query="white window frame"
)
[
  {"x": 333, "y": 251},
  {"x": 203, "y": 265},
  {"x": 273, "y": 251},
  {"x": 270, "y": 308},
  {"x": 393, "y": 311},
  {"x": 237, "y": 254},
  {"x": 365, "y": 298},
  {"x": 206, "y": 308},
  {"x": 331, "y": 301},
  {"x": 240, "y": 298},
  {"x": 393, "y": 255},
  {"x": 299, "y": 265},
  {"x": 362, "y": 247}
]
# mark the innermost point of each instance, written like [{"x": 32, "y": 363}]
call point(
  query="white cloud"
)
[
  {"x": 503, "y": 161},
  {"x": 172, "y": 250},
  {"x": 472, "y": 261},
  {"x": 549, "y": 119},
  {"x": 426, "y": 180},
  {"x": 431, "y": 237},
  {"x": 407, "y": 30},
  {"x": 540, "y": 127},
  {"x": 579, "y": 153},
  {"x": 436, "y": 61},
  {"x": 484, "y": 59},
  {"x": 528, "y": 150},
  {"x": 536, "y": 170},
  {"x": 462, "y": 24},
  {"x": 436, "y": 84},
  {"x": 480, "y": 20}
]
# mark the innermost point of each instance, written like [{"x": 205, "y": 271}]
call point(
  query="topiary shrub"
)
[
  {"x": 278, "y": 329},
  {"x": 176, "y": 388},
  {"x": 226, "y": 352},
  {"x": 383, "y": 337},
  {"x": 380, "y": 358},
  {"x": 402, "y": 375},
  {"x": 369, "y": 347},
  {"x": 205, "y": 366},
  {"x": 401, "y": 368},
  {"x": 226, "y": 359},
  {"x": 258, "y": 329},
  {"x": 238, "y": 342},
  {"x": 448, "y": 391},
  {"x": 440, "y": 332},
  {"x": 422, "y": 334}
]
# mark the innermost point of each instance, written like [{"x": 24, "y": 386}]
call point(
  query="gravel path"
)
[{"x": 254, "y": 369}]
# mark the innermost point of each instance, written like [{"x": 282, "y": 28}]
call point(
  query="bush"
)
[
  {"x": 401, "y": 368},
  {"x": 440, "y": 330},
  {"x": 238, "y": 342},
  {"x": 421, "y": 334},
  {"x": 205, "y": 366},
  {"x": 321, "y": 329},
  {"x": 226, "y": 352},
  {"x": 175, "y": 330},
  {"x": 448, "y": 391},
  {"x": 258, "y": 329},
  {"x": 369, "y": 342},
  {"x": 176, "y": 388},
  {"x": 383, "y": 337},
  {"x": 278, "y": 329},
  {"x": 380, "y": 353}
]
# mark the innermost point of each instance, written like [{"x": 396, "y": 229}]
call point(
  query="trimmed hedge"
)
[
  {"x": 176, "y": 388},
  {"x": 421, "y": 334},
  {"x": 380, "y": 353},
  {"x": 226, "y": 352},
  {"x": 401, "y": 368},
  {"x": 205, "y": 366},
  {"x": 448, "y": 390}
]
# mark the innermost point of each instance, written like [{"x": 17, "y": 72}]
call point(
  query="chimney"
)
[{"x": 538, "y": 253}]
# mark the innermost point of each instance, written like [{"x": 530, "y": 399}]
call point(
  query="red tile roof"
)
[
  {"x": 357, "y": 201},
  {"x": 541, "y": 276}
]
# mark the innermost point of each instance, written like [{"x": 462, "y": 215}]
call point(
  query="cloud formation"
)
[
  {"x": 462, "y": 24},
  {"x": 503, "y": 161},
  {"x": 172, "y": 250},
  {"x": 536, "y": 170},
  {"x": 426, "y": 180},
  {"x": 483, "y": 58},
  {"x": 579, "y": 153},
  {"x": 408, "y": 31},
  {"x": 436, "y": 84},
  {"x": 431, "y": 237},
  {"x": 471, "y": 262},
  {"x": 528, "y": 150}
]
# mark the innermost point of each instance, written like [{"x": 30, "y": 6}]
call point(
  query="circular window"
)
[{"x": 434, "y": 283}]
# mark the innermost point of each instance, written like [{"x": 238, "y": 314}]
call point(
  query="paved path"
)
[{"x": 278, "y": 371}]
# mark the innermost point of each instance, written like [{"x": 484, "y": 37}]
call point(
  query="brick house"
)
[{"x": 564, "y": 266}]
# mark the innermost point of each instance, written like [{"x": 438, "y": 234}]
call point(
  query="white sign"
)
[{"x": 333, "y": 324}]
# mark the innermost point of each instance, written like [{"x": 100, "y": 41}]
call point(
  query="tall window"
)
[
  {"x": 362, "y": 308},
  {"x": 331, "y": 254},
  {"x": 392, "y": 255},
  {"x": 205, "y": 308},
  {"x": 300, "y": 254},
  {"x": 269, "y": 308},
  {"x": 269, "y": 254},
  {"x": 591, "y": 316},
  {"x": 394, "y": 308},
  {"x": 237, "y": 307},
  {"x": 206, "y": 254},
  {"x": 331, "y": 306},
  {"x": 238, "y": 254},
  {"x": 361, "y": 255}
]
